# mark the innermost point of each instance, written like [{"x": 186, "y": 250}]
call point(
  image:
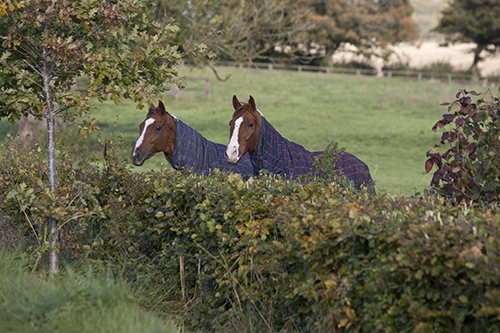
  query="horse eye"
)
[
  {"x": 158, "y": 128},
  {"x": 251, "y": 125}
]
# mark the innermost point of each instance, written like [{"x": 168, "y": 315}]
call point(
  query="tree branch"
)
[
  {"x": 217, "y": 74},
  {"x": 28, "y": 43},
  {"x": 63, "y": 109}
]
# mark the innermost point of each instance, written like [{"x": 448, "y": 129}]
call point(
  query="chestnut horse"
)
[
  {"x": 250, "y": 132},
  {"x": 182, "y": 146}
]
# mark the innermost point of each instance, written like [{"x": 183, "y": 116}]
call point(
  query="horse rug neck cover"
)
[
  {"x": 194, "y": 151},
  {"x": 281, "y": 156}
]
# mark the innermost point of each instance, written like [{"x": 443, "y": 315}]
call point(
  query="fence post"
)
[
  {"x": 449, "y": 79},
  {"x": 207, "y": 88},
  {"x": 175, "y": 91},
  {"x": 270, "y": 67}
]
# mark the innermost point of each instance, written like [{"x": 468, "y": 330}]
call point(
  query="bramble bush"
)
[
  {"x": 297, "y": 256},
  {"x": 469, "y": 168}
]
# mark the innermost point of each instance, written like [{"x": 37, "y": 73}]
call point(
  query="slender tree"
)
[
  {"x": 476, "y": 21},
  {"x": 47, "y": 44}
]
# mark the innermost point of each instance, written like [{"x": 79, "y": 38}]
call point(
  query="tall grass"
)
[
  {"x": 68, "y": 303},
  {"x": 384, "y": 122}
]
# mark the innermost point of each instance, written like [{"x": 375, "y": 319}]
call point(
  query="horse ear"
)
[
  {"x": 251, "y": 102},
  {"x": 161, "y": 107},
  {"x": 236, "y": 102}
]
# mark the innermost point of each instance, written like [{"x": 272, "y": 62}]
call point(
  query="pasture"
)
[
  {"x": 276, "y": 255},
  {"x": 384, "y": 122}
]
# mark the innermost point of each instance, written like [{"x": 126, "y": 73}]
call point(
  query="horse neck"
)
[
  {"x": 279, "y": 155},
  {"x": 188, "y": 145}
]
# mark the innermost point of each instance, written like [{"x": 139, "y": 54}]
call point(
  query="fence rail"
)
[
  {"x": 174, "y": 90},
  {"x": 400, "y": 74}
]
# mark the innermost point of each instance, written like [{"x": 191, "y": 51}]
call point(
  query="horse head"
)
[
  {"x": 245, "y": 130},
  {"x": 157, "y": 134}
]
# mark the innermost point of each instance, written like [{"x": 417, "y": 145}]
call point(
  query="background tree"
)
[
  {"x": 476, "y": 21},
  {"x": 246, "y": 30},
  {"x": 368, "y": 25},
  {"x": 47, "y": 44},
  {"x": 304, "y": 31}
]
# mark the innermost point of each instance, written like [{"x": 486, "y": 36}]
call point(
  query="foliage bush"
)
[
  {"x": 469, "y": 168},
  {"x": 305, "y": 257}
]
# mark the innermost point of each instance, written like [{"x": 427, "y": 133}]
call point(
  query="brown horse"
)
[
  {"x": 182, "y": 146},
  {"x": 250, "y": 132}
]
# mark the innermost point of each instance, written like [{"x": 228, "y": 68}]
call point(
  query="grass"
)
[
  {"x": 384, "y": 122},
  {"x": 69, "y": 303}
]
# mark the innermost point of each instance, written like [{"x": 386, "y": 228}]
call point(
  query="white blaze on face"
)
[
  {"x": 139, "y": 141},
  {"x": 233, "y": 147}
]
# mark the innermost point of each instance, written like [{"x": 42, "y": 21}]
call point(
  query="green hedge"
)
[{"x": 305, "y": 257}]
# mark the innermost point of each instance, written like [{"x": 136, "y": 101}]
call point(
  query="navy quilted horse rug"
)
[
  {"x": 194, "y": 151},
  {"x": 289, "y": 159}
]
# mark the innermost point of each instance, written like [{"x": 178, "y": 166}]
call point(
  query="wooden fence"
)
[
  {"x": 400, "y": 74},
  {"x": 174, "y": 90}
]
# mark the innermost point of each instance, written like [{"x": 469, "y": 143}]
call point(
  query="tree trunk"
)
[
  {"x": 51, "y": 162},
  {"x": 477, "y": 58},
  {"x": 50, "y": 115},
  {"x": 47, "y": 76}
]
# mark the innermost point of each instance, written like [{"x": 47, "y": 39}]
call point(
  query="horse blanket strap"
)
[
  {"x": 281, "y": 156},
  {"x": 194, "y": 151}
]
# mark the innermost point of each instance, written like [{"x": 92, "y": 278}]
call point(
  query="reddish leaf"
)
[
  {"x": 448, "y": 117},
  {"x": 428, "y": 165},
  {"x": 435, "y": 179},
  {"x": 460, "y": 121},
  {"x": 472, "y": 148},
  {"x": 445, "y": 136},
  {"x": 440, "y": 124},
  {"x": 465, "y": 101}
]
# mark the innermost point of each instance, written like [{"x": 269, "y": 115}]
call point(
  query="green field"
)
[{"x": 384, "y": 122}]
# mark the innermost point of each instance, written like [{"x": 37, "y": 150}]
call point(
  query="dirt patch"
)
[
  {"x": 417, "y": 56},
  {"x": 459, "y": 56}
]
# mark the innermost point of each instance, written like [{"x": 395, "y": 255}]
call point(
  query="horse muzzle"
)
[
  {"x": 137, "y": 158},
  {"x": 232, "y": 159}
]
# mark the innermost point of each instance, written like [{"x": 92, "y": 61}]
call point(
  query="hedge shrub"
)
[
  {"x": 306, "y": 257},
  {"x": 468, "y": 156}
]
